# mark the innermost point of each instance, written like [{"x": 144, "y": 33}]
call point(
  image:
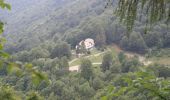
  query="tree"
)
[
  {"x": 34, "y": 96},
  {"x": 81, "y": 48},
  {"x": 63, "y": 63},
  {"x": 86, "y": 91},
  {"x": 107, "y": 62},
  {"x": 68, "y": 93},
  {"x": 116, "y": 68},
  {"x": 100, "y": 40},
  {"x": 130, "y": 65},
  {"x": 166, "y": 41},
  {"x": 152, "y": 39},
  {"x": 160, "y": 70},
  {"x": 8, "y": 93},
  {"x": 156, "y": 10},
  {"x": 39, "y": 53},
  {"x": 86, "y": 69},
  {"x": 121, "y": 57},
  {"x": 61, "y": 50},
  {"x": 52, "y": 97},
  {"x": 124, "y": 43},
  {"x": 23, "y": 56},
  {"x": 136, "y": 43},
  {"x": 57, "y": 87},
  {"x": 144, "y": 83},
  {"x": 97, "y": 83}
]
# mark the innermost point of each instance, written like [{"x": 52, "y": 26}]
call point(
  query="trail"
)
[
  {"x": 98, "y": 54},
  {"x": 73, "y": 60},
  {"x": 77, "y": 67}
]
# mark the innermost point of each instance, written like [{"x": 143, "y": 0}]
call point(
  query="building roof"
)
[{"x": 89, "y": 43}]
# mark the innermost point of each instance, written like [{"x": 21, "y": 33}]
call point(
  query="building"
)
[{"x": 88, "y": 43}]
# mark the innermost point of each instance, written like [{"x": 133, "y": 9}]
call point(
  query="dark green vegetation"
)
[
  {"x": 44, "y": 32},
  {"x": 76, "y": 20}
]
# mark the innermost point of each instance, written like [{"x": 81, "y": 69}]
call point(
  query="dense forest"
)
[{"x": 43, "y": 53}]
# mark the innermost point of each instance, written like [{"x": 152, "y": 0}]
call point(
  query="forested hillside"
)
[
  {"x": 75, "y": 20},
  {"x": 45, "y": 20},
  {"x": 45, "y": 57}
]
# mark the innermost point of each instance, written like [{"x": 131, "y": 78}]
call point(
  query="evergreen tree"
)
[
  {"x": 86, "y": 69},
  {"x": 107, "y": 62}
]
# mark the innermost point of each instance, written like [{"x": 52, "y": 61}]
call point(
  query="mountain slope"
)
[{"x": 39, "y": 21}]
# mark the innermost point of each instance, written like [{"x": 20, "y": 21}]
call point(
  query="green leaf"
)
[
  {"x": 1, "y": 64},
  {"x": 104, "y": 98},
  {"x": 13, "y": 68},
  {"x": 4, "y": 54},
  {"x": 111, "y": 88},
  {"x": 38, "y": 77},
  {"x": 4, "y": 5},
  {"x": 8, "y": 6},
  {"x": 29, "y": 66}
]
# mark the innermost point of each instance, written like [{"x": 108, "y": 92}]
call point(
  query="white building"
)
[{"x": 89, "y": 43}]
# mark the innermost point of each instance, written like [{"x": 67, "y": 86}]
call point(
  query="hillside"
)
[
  {"x": 44, "y": 20},
  {"x": 79, "y": 50},
  {"x": 74, "y": 20}
]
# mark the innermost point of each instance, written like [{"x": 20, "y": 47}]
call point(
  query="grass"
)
[
  {"x": 75, "y": 63},
  {"x": 161, "y": 60},
  {"x": 92, "y": 58},
  {"x": 162, "y": 57},
  {"x": 95, "y": 57}
]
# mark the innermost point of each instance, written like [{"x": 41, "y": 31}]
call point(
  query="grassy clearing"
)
[
  {"x": 161, "y": 57},
  {"x": 75, "y": 63},
  {"x": 161, "y": 60},
  {"x": 95, "y": 57}
]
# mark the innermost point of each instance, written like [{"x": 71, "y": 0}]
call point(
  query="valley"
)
[{"x": 84, "y": 50}]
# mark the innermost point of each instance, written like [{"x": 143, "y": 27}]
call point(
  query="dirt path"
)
[
  {"x": 73, "y": 60},
  {"x": 77, "y": 67},
  {"x": 74, "y": 68},
  {"x": 89, "y": 56},
  {"x": 99, "y": 63}
]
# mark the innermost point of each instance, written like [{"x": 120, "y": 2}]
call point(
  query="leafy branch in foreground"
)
[
  {"x": 143, "y": 83},
  {"x": 153, "y": 10},
  {"x": 14, "y": 67},
  {"x": 7, "y": 92}
]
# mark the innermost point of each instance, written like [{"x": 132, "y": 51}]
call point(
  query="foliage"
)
[
  {"x": 121, "y": 57},
  {"x": 34, "y": 96},
  {"x": 143, "y": 83},
  {"x": 160, "y": 70},
  {"x": 97, "y": 83},
  {"x": 107, "y": 62},
  {"x": 86, "y": 91},
  {"x": 8, "y": 93},
  {"x": 155, "y": 10},
  {"x": 40, "y": 63},
  {"x": 61, "y": 50},
  {"x": 86, "y": 69}
]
